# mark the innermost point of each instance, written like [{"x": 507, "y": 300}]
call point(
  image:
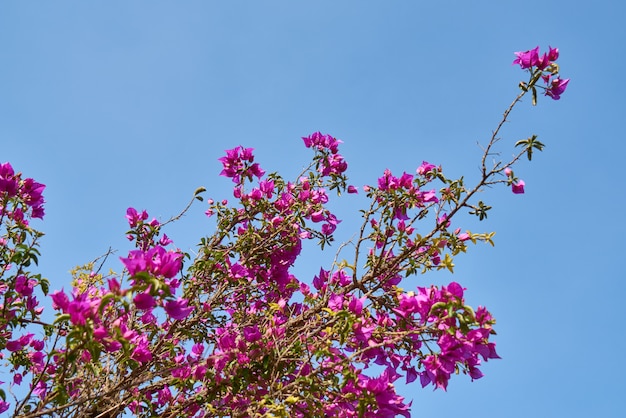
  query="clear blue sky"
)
[{"x": 115, "y": 104}]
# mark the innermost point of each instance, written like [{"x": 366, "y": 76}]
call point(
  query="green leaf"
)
[
  {"x": 437, "y": 306},
  {"x": 104, "y": 301},
  {"x": 480, "y": 211},
  {"x": 447, "y": 262},
  {"x": 61, "y": 318},
  {"x": 45, "y": 285},
  {"x": 523, "y": 86}
]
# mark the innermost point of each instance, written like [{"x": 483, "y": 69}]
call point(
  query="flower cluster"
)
[
  {"x": 330, "y": 162},
  {"x": 458, "y": 344},
  {"x": 25, "y": 194},
  {"x": 20, "y": 200},
  {"x": 235, "y": 332},
  {"x": 239, "y": 164},
  {"x": 543, "y": 66}
]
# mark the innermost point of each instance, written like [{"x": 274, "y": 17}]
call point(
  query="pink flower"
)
[
  {"x": 79, "y": 310},
  {"x": 425, "y": 168},
  {"x": 178, "y": 309},
  {"x": 356, "y": 305},
  {"x": 32, "y": 192},
  {"x": 235, "y": 165},
  {"x": 59, "y": 300},
  {"x": 252, "y": 334},
  {"x": 317, "y": 216},
  {"x": 553, "y": 54},
  {"x": 321, "y": 142},
  {"x": 14, "y": 345},
  {"x": 267, "y": 187},
  {"x": 331, "y": 226},
  {"x": 144, "y": 300},
  {"x": 156, "y": 260},
  {"x": 135, "y": 263},
  {"x": 8, "y": 180},
  {"x": 557, "y": 87},
  {"x": 142, "y": 353},
  {"x": 464, "y": 236},
  {"x": 518, "y": 187},
  {"x": 333, "y": 164},
  {"x": 335, "y": 302},
  {"x": 24, "y": 286},
  {"x": 527, "y": 59},
  {"x": 135, "y": 217},
  {"x": 166, "y": 263}
]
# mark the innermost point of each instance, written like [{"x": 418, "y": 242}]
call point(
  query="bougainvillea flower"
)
[
  {"x": 142, "y": 353},
  {"x": 527, "y": 59},
  {"x": 59, "y": 300},
  {"x": 518, "y": 187},
  {"x": 557, "y": 87},
  {"x": 425, "y": 168},
  {"x": 144, "y": 300},
  {"x": 553, "y": 53},
  {"x": 178, "y": 309},
  {"x": 8, "y": 180},
  {"x": 321, "y": 142},
  {"x": 135, "y": 217}
]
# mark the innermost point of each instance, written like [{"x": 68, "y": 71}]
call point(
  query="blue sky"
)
[{"x": 116, "y": 104}]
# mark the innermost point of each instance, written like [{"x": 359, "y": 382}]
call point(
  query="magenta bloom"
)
[
  {"x": 135, "y": 263},
  {"x": 527, "y": 59},
  {"x": 33, "y": 192},
  {"x": 79, "y": 310},
  {"x": 156, "y": 260},
  {"x": 425, "y": 168},
  {"x": 518, "y": 188},
  {"x": 14, "y": 345},
  {"x": 178, "y": 309},
  {"x": 59, "y": 300},
  {"x": 321, "y": 142},
  {"x": 557, "y": 87},
  {"x": 24, "y": 286},
  {"x": 553, "y": 54},
  {"x": 135, "y": 217},
  {"x": 142, "y": 353},
  {"x": 164, "y": 263},
  {"x": 235, "y": 166},
  {"x": 8, "y": 180},
  {"x": 252, "y": 334},
  {"x": 144, "y": 300}
]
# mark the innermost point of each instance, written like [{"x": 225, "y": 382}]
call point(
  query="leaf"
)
[
  {"x": 447, "y": 262},
  {"x": 45, "y": 285},
  {"x": 523, "y": 86},
  {"x": 104, "y": 301},
  {"x": 61, "y": 318}
]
